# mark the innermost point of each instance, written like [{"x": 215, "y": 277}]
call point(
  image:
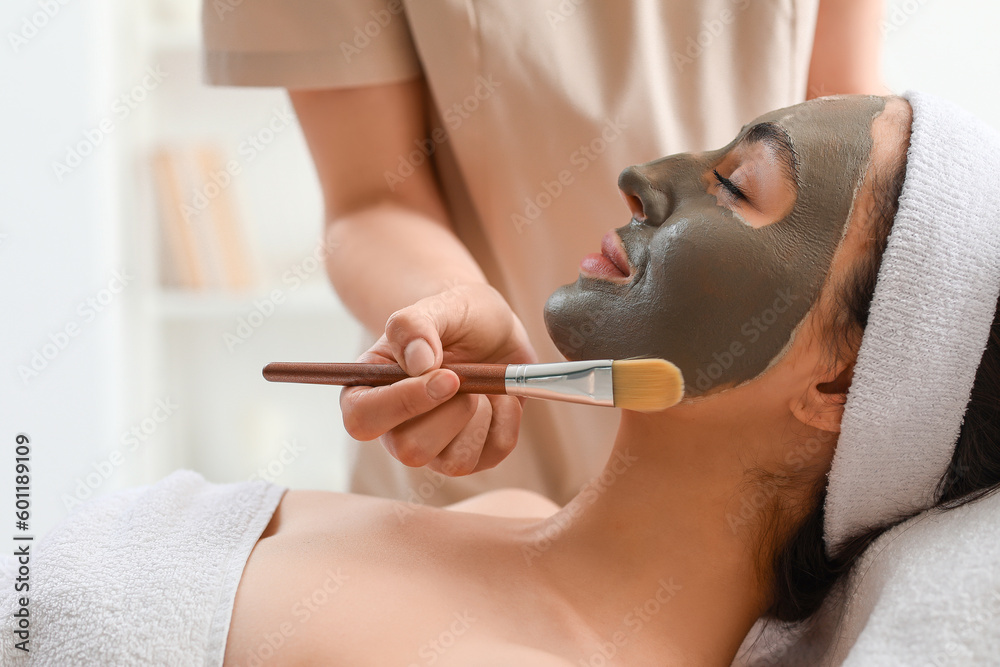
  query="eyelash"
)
[{"x": 729, "y": 185}]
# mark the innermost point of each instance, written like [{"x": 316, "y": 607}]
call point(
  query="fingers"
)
[
  {"x": 463, "y": 434},
  {"x": 462, "y": 453},
  {"x": 502, "y": 435},
  {"x": 370, "y": 412},
  {"x": 488, "y": 438},
  {"x": 473, "y": 319},
  {"x": 421, "y": 420},
  {"x": 414, "y": 340},
  {"x": 418, "y": 441}
]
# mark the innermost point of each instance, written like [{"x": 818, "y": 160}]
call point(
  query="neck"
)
[{"x": 660, "y": 548}]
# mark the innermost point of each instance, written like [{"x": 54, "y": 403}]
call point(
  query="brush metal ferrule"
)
[{"x": 570, "y": 381}]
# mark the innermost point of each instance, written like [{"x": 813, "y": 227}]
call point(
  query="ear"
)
[{"x": 822, "y": 404}]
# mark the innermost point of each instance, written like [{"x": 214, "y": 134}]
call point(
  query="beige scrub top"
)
[{"x": 537, "y": 107}]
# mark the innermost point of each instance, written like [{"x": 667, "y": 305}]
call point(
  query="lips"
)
[
  {"x": 611, "y": 247},
  {"x": 610, "y": 264}
]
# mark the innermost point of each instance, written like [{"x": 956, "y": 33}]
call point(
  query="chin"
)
[
  {"x": 556, "y": 322},
  {"x": 577, "y": 322}
]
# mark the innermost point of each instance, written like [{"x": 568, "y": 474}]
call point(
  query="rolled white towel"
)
[
  {"x": 927, "y": 592},
  {"x": 145, "y": 576}
]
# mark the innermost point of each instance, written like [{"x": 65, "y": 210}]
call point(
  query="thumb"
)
[
  {"x": 414, "y": 340},
  {"x": 472, "y": 318}
]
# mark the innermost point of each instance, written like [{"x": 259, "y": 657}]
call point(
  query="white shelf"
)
[
  {"x": 230, "y": 422},
  {"x": 179, "y": 305},
  {"x": 175, "y": 25}
]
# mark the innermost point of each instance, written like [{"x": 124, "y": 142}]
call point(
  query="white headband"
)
[{"x": 929, "y": 322}]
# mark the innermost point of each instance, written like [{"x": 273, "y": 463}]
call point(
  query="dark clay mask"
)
[{"x": 716, "y": 296}]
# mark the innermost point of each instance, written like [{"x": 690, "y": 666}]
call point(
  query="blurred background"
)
[{"x": 160, "y": 242}]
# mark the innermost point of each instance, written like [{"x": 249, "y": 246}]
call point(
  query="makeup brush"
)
[{"x": 644, "y": 385}]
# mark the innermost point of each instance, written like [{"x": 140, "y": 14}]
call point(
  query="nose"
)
[{"x": 647, "y": 203}]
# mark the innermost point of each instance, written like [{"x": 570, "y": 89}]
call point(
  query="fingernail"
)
[
  {"x": 441, "y": 385},
  {"x": 418, "y": 356}
]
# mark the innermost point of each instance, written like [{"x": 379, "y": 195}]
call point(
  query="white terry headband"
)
[{"x": 928, "y": 325}]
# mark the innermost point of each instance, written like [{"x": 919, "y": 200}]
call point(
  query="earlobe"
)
[{"x": 822, "y": 405}]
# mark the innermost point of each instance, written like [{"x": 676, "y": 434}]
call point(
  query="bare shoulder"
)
[
  {"x": 502, "y": 654},
  {"x": 511, "y": 503}
]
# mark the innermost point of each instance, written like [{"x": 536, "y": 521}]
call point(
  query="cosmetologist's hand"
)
[{"x": 421, "y": 420}]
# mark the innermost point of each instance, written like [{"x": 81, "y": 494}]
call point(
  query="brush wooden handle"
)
[{"x": 474, "y": 378}]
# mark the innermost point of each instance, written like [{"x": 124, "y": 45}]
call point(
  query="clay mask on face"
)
[{"x": 716, "y": 296}]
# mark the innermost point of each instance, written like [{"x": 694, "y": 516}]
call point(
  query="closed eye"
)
[{"x": 729, "y": 185}]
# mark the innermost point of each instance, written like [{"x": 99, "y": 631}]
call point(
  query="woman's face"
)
[{"x": 726, "y": 251}]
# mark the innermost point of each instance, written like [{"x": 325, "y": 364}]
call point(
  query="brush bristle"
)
[{"x": 646, "y": 385}]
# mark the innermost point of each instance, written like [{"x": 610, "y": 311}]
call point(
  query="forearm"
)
[
  {"x": 847, "y": 49},
  {"x": 387, "y": 256}
]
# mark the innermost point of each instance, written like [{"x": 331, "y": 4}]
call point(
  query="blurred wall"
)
[
  {"x": 61, "y": 269},
  {"x": 946, "y": 47}
]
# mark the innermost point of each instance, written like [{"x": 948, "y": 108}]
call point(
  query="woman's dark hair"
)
[{"x": 801, "y": 573}]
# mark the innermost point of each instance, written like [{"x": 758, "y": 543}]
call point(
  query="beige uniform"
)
[{"x": 537, "y": 107}]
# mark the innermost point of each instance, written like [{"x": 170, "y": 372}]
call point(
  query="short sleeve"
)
[{"x": 306, "y": 43}]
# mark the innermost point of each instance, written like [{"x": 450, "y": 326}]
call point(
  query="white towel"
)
[
  {"x": 927, "y": 592},
  {"x": 145, "y": 576},
  {"x": 930, "y": 318}
]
